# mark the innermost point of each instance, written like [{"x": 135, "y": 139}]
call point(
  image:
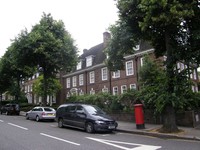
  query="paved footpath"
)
[{"x": 188, "y": 133}]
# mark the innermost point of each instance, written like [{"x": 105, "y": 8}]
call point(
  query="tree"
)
[
  {"x": 14, "y": 67},
  {"x": 172, "y": 28},
  {"x": 53, "y": 86},
  {"x": 153, "y": 86},
  {"x": 51, "y": 48}
]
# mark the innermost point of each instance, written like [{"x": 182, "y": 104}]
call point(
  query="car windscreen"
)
[
  {"x": 48, "y": 109},
  {"x": 94, "y": 110}
]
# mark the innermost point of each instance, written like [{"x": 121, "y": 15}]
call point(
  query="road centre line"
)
[
  {"x": 53, "y": 137},
  {"x": 17, "y": 126},
  {"x": 1, "y": 121}
]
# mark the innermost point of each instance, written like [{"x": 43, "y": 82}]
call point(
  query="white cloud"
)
[{"x": 86, "y": 20}]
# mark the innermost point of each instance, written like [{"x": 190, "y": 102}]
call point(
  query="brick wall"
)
[{"x": 187, "y": 118}]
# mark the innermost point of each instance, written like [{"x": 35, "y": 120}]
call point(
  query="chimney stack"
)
[
  {"x": 85, "y": 50},
  {"x": 106, "y": 38}
]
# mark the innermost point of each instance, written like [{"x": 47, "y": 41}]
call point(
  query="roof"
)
[{"x": 96, "y": 52}]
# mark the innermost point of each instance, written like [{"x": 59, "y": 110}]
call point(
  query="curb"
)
[{"x": 160, "y": 135}]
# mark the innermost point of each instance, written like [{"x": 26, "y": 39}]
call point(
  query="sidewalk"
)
[{"x": 188, "y": 133}]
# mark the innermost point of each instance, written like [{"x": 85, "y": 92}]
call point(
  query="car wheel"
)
[
  {"x": 27, "y": 117},
  {"x": 60, "y": 123},
  {"x": 37, "y": 118},
  {"x": 89, "y": 127}
]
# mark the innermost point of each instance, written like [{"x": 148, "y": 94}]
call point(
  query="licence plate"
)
[
  {"x": 111, "y": 127},
  {"x": 50, "y": 114}
]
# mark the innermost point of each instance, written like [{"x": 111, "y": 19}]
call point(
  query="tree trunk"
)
[
  {"x": 169, "y": 119},
  {"x": 18, "y": 90},
  {"x": 44, "y": 98}
]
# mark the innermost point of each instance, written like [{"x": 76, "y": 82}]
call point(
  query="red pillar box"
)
[{"x": 139, "y": 116}]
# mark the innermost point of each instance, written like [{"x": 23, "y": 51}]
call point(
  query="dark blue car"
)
[{"x": 86, "y": 117}]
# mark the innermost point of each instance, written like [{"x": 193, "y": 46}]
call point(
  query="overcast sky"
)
[{"x": 85, "y": 20}]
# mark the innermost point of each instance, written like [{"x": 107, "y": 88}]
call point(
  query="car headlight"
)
[{"x": 99, "y": 122}]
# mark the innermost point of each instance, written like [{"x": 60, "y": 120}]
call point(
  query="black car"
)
[
  {"x": 10, "y": 109},
  {"x": 82, "y": 116}
]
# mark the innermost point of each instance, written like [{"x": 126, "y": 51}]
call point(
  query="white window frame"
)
[
  {"x": 88, "y": 61},
  {"x": 193, "y": 88},
  {"x": 105, "y": 89},
  {"x": 92, "y": 77},
  {"x": 195, "y": 74},
  {"x": 67, "y": 95},
  {"x": 31, "y": 86},
  {"x": 68, "y": 83},
  {"x": 74, "y": 81},
  {"x": 129, "y": 68},
  {"x": 92, "y": 91},
  {"x": 178, "y": 67},
  {"x": 141, "y": 61},
  {"x": 81, "y": 79},
  {"x": 79, "y": 65},
  {"x": 115, "y": 90},
  {"x": 182, "y": 66},
  {"x": 116, "y": 74},
  {"x": 81, "y": 92},
  {"x": 104, "y": 73},
  {"x": 123, "y": 89},
  {"x": 191, "y": 75},
  {"x": 133, "y": 86}
]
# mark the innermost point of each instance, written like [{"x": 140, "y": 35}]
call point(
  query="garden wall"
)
[{"x": 187, "y": 118}]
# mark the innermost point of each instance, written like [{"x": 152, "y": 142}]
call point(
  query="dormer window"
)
[
  {"x": 79, "y": 65},
  {"x": 88, "y": 61}
]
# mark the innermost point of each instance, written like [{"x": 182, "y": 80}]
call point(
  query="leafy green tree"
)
[
  {"x": 4, "y": 80},
  {"x": 172, "y": 28},
  {"x": 53, "y": 86},
  {"x": 53, "y": 48},
  {"x": 14, "y": 67},
  {"x": 50, "y": 48}
]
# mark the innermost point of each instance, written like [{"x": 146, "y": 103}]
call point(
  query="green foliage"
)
[
  {"x": 48, "y": 48},
  {"x": 53, "y": 86},
  {"x": 128, "y": 99},
  {"x": 152, "y": 81},
  {"x": 153, "y": 89},
  {"x": 52, "y": 46},
  {"x": 109, "y": 103},
  {"x": 172, "y": 28},
  {"x": 121, "y": 36}
]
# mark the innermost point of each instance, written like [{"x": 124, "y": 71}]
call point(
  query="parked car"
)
[
  {"x": 86, "y": 117},
  {"x": 41, "y": 113},
  {"x": 10, "y": 109}
]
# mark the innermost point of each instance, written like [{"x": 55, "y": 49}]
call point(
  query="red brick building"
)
[{"x": 92, "y": 76}]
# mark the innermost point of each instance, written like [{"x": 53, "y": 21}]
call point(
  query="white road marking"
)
[
  {"x": 1, "y": 121},
  {"x": 114, "y": 144},
  {"x": 53, "y": 125},
  {"x": 53, "y": 137},
  {"x": 17, "y": 126}
]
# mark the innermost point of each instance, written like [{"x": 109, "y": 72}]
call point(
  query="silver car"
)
[{"x": 41, "y": 113}]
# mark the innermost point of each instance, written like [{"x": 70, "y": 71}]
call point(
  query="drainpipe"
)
[
  {"x": 110, "y": 82},
  {"x": 85, "y": 82},
  {"x": 137, "y": 74}
]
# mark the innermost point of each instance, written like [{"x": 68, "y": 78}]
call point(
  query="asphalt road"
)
[{"x": 17, "y": 133}]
